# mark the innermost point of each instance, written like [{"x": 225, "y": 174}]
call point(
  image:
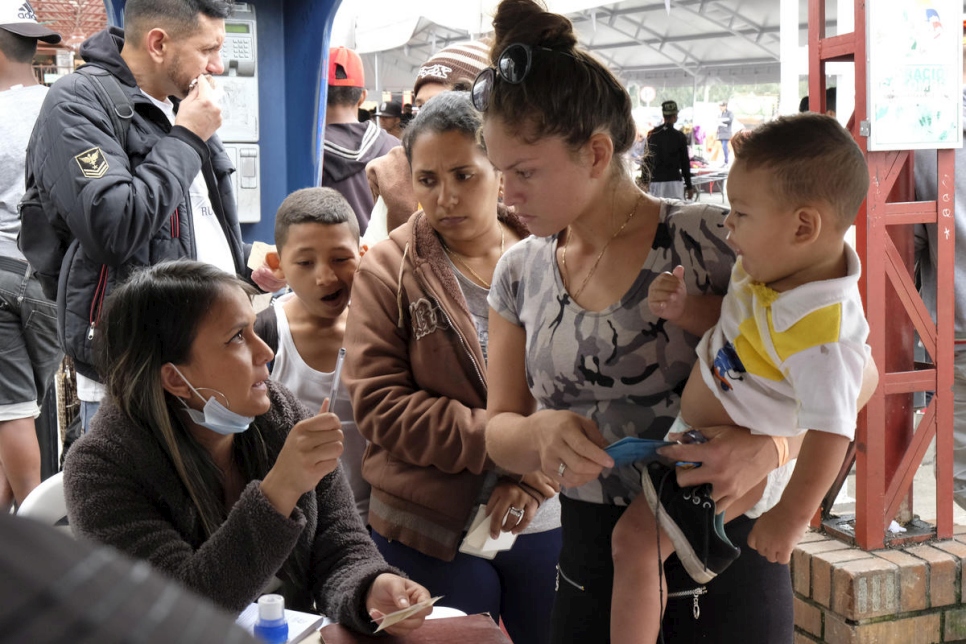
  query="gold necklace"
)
[
  {"x": 459, "y": 258},
  {"x": 563, "y": 260}
]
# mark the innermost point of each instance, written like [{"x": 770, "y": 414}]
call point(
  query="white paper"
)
[
  {"x": 403, "y": 613},
  {"x": 478, "y": 542},
  {"x": 299, "y": 624},
  {"x": 257, "y": 257}
]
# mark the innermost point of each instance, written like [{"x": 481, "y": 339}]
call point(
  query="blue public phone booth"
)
[{"x": 291, "y": 45}]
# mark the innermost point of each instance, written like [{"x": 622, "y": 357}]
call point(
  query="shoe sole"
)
[{"x": 689, "y": 558}]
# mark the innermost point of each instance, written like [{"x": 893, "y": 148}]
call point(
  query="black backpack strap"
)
[
  {"x": 114, "y": 99},
  {"x": 266, "y": 327}
]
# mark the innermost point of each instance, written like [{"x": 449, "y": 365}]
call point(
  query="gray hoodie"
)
[
  {"x": 926, "y": 241},
  {"x": 348, "y": 148}
]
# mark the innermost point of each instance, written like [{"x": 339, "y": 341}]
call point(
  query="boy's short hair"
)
[
  {"x": 812, "y": 158},
  {"x": 313, "y": 206},
  {"x": 17, "y": 49}
]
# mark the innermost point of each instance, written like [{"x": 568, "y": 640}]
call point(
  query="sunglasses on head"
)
[{"x": 512, "y": 66}]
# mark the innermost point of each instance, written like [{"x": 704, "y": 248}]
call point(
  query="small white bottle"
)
[{"x": 271, "y": 627}]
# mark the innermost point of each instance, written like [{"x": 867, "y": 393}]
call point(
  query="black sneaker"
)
[{"x": 688, "y": 517}]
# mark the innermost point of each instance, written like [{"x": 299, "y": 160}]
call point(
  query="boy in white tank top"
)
[{"x": 317, "y": 237}]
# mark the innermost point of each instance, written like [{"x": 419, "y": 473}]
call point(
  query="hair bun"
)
[{"x": 529, "y": 22}]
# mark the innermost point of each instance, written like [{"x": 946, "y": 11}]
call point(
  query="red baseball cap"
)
[{"x": 345, "y": 68}]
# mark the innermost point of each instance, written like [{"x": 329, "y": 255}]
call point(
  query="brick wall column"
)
[{"x": 908, "y": 595}]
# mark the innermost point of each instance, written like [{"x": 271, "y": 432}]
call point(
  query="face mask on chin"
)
[{"x": 215, "y": 416}]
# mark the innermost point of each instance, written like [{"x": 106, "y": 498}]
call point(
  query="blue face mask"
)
[{"x": 215, "y": 416}]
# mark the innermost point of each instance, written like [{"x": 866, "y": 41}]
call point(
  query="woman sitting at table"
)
[{"x": 217, "y": 476}]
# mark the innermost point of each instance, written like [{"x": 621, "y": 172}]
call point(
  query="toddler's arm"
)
[
  {"x": 667, "y": 297},
  {"x": 779, "y": 530}
]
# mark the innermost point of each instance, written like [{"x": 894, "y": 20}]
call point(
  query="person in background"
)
[
  {"x": 214, "y": 474},
  {"x": 350, "y": 145},
  {"x": 407, "y": 114},
  {"x": 54, "y": 589},
  {"x": 317, "y": 237},
  {"x": 725, "y": 125},
  {"x": 389, "y": 115},
  {"x": 830, "y": 96},
  {"x": 28, "y": 320},
  {"x": 416, "y": 355},
  {"x": 667, "y": 161},
  {"x": 167, "y": 194},
  {"x": 451, "y": 68},
  {"x": 637, "y": 152},
  {"x": 927, "y": 260},
  {"x": 579, "y": 285}
]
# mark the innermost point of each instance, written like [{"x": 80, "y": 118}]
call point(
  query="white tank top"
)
[{"x": 311, "y": 387}]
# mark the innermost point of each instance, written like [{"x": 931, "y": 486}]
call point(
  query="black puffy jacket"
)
[{"x": 126, "y": 208}]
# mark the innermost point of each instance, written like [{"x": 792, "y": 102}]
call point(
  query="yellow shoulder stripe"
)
[
  {"x": 823, "y": 326},
  {"x": 818, "y": 327},
  {"x": 752, "y": 353}
]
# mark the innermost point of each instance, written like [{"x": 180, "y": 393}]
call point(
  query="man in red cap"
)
[
  {"x": 349, "y": 144},
  {"x": 28, "y": 320}
]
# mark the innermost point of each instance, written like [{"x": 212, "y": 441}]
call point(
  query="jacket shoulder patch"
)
[{"x": 93, "y": 164}]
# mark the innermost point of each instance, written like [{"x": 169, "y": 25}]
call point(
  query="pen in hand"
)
[{"x": 336, "y": 377}]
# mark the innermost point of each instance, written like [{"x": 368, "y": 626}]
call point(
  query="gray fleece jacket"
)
[{"x": 122, "y": 490}]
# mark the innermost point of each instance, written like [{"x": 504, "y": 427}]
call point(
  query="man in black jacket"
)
[
  {"x": 166, "y": 194},
  {"x": 667, "y": 161}
]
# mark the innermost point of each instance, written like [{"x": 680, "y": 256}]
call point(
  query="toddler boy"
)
[{"x": 787, "y": 356}]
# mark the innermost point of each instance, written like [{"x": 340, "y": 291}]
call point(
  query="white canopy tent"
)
[{"x": 644, "y": 42}]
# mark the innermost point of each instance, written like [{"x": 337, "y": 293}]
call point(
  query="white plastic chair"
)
[{"x": 46, "y": 503}]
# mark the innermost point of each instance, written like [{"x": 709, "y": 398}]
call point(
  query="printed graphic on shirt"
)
[
  {"x": 426, "y": 318},
  {"x": 92, "y": 163},
  {"x": 727, "y": 366}
]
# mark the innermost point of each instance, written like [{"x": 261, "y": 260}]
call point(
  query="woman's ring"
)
[
  {"x": 516, "y": 512},
  {"x": 561, "y": 469}
]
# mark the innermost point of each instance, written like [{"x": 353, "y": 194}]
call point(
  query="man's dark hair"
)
[
  {"x": 343, "y": 96},
  {"x": 17, "y": 49},
  {"x": 313, "y": 206},
  {"x": 177, "y": 17}
]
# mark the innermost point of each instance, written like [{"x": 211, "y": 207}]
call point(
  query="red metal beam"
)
[
  {"x": 888, "y": 450},
  {"x": 945, "y": 335},
  {"x": 74, "y": 20},
  {"x": 910, "y": 298}
]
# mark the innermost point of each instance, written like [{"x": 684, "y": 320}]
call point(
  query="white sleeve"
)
[{"x": 827, "y": 379}]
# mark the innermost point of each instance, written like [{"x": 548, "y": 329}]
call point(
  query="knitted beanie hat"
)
[{"x": 460, "y": 62}]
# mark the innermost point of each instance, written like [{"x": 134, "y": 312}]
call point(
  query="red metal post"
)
[{"x": 888, "y": 450}]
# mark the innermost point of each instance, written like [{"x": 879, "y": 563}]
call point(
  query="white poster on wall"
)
[{"x": 915, "y": 72}]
